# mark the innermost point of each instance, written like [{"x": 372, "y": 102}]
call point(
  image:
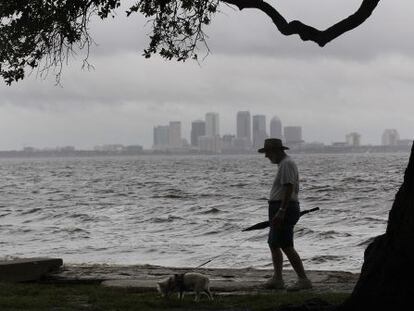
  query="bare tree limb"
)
[
  {"x": 305, "y": 32},
  {"x": 46, "y": 33}
]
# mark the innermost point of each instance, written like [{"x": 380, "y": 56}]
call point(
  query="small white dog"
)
[{"x": 186, "y": 282}]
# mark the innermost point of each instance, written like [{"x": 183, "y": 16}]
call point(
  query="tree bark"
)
[{"x": 387, "y": 275}]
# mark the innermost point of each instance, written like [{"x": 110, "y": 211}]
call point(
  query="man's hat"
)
[{"x": 271, "y": 144}]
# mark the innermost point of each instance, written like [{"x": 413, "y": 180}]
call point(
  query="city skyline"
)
[
  {"x": 387, "y": 134},
  {"x": 249, "y": 133}
]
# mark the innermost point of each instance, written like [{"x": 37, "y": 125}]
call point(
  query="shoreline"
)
[{"x": 143, "y": 278}]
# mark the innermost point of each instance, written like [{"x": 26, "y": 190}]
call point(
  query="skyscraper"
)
[
  {"x": 293, "y": 134},
  {"x": 161, "y": 137},
  {"x": 212, "y": 124},
  {"x": 175, "y": 140},
  {"x": 259, "y": 130},
  {"x": 276, "y": 128},
  {"x": 244, "y": 131},
  {"x": 198, "y": 128}
]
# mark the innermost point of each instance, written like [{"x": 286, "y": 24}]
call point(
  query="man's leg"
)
[
  {"x": 276, "y": 281},
  {"x": 277, "y": 259},
  {"x": 295, "y": 261},
  {"x": 303, "y": 282}
]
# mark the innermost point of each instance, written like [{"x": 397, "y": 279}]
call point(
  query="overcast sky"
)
[{"x": 362, "y": 81}]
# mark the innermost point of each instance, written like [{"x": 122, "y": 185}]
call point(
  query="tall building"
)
[
  {"x": 244, "y": 130},
  {"x": 390, "y": 137},
  {"x": 212, "y": 124},
  {"x": 293, "y": 135},
  {"x": 161, "y": 137},
  {"x": 244, "y": 127},
  {"x": 353, "y": 139},
  {"x": 175, "y": 140},
  {"x": 198, "y": 128},
  {"x": 276, "y": 128},
  {"x": 259, "y": 131}
]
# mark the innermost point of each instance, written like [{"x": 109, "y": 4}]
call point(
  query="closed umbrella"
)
[{"x": 265, "y": 224}]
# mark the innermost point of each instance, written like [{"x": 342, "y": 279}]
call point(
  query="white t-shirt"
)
[{"x": 287, "y": 174}]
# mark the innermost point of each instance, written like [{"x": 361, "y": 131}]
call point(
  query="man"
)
[{"x": 284, "y": 213}]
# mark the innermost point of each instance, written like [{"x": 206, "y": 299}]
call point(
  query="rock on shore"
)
[{"x": 28, "y": 269}]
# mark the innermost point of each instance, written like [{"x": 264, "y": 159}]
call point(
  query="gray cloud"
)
[
  {"x": 250, "y": 32},
  {"x": 361, "y": 82}
]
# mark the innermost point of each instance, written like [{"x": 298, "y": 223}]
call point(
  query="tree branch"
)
[{"x": 305, "y": 32}]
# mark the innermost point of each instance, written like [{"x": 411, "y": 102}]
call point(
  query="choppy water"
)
[{"x": 183, "y": 210}]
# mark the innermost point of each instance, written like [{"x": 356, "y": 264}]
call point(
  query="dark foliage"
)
[{"x": 46, "y": 32}]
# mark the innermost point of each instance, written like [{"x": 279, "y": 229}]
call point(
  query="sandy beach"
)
[{"x": 143, "y": 278}]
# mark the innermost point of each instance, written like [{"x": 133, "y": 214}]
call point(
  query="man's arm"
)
[
  {"x": 280, "y": 215},
  {"x": 287, "y": 195}
]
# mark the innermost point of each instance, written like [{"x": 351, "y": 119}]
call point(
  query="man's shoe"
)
[
  {"x": 274, "y": 283},
  {"x": 300, "y": 284}
]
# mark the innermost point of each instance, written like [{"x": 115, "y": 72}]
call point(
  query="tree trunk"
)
[{"x": 387, "y": 275}]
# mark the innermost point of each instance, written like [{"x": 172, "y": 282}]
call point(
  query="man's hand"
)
[{"x": 277, "y": 220}]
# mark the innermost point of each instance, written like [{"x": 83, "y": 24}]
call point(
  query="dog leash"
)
[
  {"x": 226, "y": 251},
  {"x": 211, "y": 259}
]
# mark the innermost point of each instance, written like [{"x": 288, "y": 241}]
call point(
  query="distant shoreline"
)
[{"x": 295, "y": 150}]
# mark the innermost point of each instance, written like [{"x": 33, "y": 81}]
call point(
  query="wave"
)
[
  {"x": 325, "y": 258},
  {"x": 239, "y": 185},
  {"x": 105, "y": 191},
  {"x": 212, "y": 210},
  {"x": 212, "y": 232},
  {"x": 229, "y": 226},
  {"x": 318, "y": 198},
  {"x": 171, "y": 195},
  {"x": 85, "y": 217},
  {"x": 299, "y": 232},
  {"x": 31, "y": 211},
  {"x": 366, "y": 242},
  {"x": 207, "y": 195},
  {"x": 332, "y": 234},
  {"x": 262, "y": 237},
  {"x": 170, "y": 218},
  {"x": 324, "y": 188},
  {"x": 73, "y": 232},
  {"x": 375, "y": 220}
]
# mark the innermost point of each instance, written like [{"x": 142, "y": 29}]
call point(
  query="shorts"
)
[{"x": 283, "y": 236}]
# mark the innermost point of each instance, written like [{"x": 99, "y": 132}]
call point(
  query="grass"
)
[{"x": 53, "y": 297}]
